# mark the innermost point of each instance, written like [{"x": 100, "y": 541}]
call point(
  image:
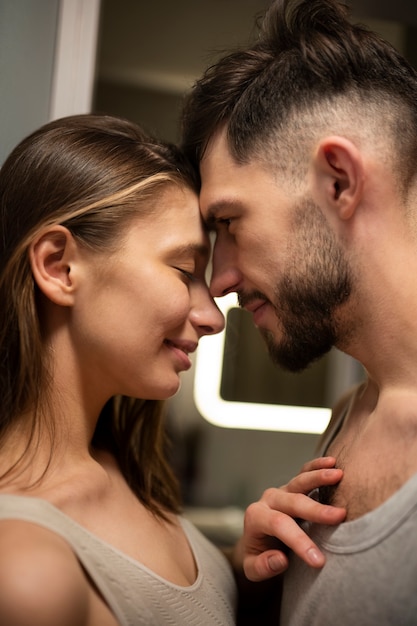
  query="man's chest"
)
[{"x": 373, "y": 472}]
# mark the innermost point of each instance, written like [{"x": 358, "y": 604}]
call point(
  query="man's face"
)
[{"x": 278, "y": 253}]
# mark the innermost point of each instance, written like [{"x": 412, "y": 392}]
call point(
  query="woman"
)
[{"x": 102, "y": 261}]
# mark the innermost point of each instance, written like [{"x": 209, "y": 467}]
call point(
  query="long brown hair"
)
[{"x": 91, "y": 174}]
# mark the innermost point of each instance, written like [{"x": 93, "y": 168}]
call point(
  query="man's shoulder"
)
[
  {"x": 41, "y": 581},
  {"x": 338, "y": 411}
]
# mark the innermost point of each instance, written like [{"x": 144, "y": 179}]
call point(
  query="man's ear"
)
[
  {"x": 52, "y": 256},
  {"x": 338, "y": 175}
]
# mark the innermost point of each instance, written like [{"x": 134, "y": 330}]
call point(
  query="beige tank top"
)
[{"x": 136, "y": 595}]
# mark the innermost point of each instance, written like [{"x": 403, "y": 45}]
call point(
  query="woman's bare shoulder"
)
[{"x": 41, "y": 581}]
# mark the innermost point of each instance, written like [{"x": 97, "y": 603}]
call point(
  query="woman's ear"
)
[
  {"x": 52, "y": 257},
  {"x": 338, "y": 175}
]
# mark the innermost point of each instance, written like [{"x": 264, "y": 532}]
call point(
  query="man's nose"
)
[{"x": 226, "y": 276}]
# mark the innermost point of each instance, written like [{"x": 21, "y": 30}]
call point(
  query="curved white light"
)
[{"x": 249, "y": 415}]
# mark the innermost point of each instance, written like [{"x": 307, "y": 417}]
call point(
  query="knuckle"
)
[
  {"x": 251, "y": 514},
  {"x": 267, "y": 493},
  {"x": 280, "y": 523},
  {"x": 299, "y": 499}
]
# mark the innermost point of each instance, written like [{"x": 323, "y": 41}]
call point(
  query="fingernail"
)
[
  {"x": 329, "y": 473},
  {"x": 275, "y": 563},
  {"x": 315, "y": 557}
]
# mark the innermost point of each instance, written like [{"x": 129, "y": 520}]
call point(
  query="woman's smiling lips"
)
[{"x": 182, "y": 348}]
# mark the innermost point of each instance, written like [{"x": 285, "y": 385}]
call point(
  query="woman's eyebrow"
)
[{"x": 192, "y": 250}]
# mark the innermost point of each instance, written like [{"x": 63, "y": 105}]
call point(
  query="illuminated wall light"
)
[{"x": 248, "y": 415}]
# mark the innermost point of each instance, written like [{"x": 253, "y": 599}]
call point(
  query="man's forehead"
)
[
  {"x": 214, "y": 181},
  {"x": 216, "y": 147},
  {"x": 218, "y": 172}
]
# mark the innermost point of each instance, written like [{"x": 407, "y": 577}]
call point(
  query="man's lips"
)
[
  {"x": 257, "y": 307},
  {"x": 254, "y": 305}
]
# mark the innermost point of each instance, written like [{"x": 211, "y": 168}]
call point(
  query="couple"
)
[{"x": 302, "y": 150}]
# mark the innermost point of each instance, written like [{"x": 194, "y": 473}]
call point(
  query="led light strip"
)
[{"x": 248, "y": 415}]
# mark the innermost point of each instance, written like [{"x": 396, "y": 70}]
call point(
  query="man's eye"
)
[{"x": 226, "y": 221}]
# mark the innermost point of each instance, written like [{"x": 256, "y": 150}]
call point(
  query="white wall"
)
[
  {"x": 27, "y": 45},
  {"x": 47, "y": 63}
]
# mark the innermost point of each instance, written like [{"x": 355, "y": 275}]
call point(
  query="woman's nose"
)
[{"x": 205, "y": 314}]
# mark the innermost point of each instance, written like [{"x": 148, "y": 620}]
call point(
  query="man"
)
[{"x": 307, "y": 149}]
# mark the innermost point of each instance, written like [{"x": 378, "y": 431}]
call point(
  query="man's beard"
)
[{"x": 307, "y": 298}]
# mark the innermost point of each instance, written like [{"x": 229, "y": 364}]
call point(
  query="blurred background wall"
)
[{"x": 27, "y": 49}]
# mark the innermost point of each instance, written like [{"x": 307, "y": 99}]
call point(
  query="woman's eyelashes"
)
[{"x": 189, "y": 275}]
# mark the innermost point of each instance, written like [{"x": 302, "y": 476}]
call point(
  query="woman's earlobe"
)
[{"x": 51, "y": 256}]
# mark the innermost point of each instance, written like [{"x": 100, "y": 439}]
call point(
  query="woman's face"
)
[{"x": 141, "y": 310}]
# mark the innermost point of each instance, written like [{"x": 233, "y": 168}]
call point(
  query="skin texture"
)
[
  {"x": 116, "y": 340},
  {"x": 306, "y": 147},
  {"x": 275, "y": 515},
  {"x": 306, "y": 278},
  {"x": 259, "y": 252},
  {"x": 356, "y": 191},
  {"x": 108, "y": 338},
  {"x": 287, "y": 269},
  {"x": 125, "y": 341}
]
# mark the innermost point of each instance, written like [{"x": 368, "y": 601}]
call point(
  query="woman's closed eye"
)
[{"x": 189, "y": 275}]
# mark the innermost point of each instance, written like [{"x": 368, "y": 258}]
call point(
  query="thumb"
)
[{"x": 265, "y": 565}]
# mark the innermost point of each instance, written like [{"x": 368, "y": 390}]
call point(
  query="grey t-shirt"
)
[{"x": 370, "y": 575}]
